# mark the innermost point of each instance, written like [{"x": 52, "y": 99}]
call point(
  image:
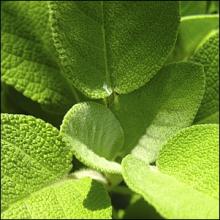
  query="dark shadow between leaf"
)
[{"x": 92, "y": 202}]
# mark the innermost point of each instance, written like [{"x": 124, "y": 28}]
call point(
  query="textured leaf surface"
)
[
  {"x": 185, "y": 183},
  {"x": 95, "y": 135},
  {"x": 33, "y": 155},
  {"x": 162, "y": 107},
  {"x": 97, "y": 47},
  {"x": 192, "y": 31},
  {"x": 208, "y": 56},
  {"x": 28, "y": 58},
  {"x": 68, "y": 199},
  {"x": 192, "y": 157}
]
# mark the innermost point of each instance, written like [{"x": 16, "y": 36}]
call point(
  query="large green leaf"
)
[
  {"x": 162, "y": 107},
  {"x": 208, "y": 56},
  {"x": 192, "y": 157},
  {"x": 193, "y": 29},
  {"x": 185, "y": 182},
  {"x": 29, "y": 62},
  {"x": 33, "y": 155},
  {"x": 67, "y": 199},
  {"x": 95, "y": 135},
  {"x": 113, "y": 46}
]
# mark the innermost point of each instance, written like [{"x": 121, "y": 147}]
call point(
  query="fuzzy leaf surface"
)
[
  {"x": 33, "y": 155},
  {"x": 96, "y": 43},
  {"x": 185, "y": 182},
  {"x": 162, "y": 107},
  {"x": 95, "y": 135},
  {"x": 67, "y": 199},
  {"x": 29, "y": 61},
  {"x": 208, "y": 55}
]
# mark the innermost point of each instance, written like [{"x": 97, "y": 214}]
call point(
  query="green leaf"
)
[
  {"x": 29, "y": 62},
  {"x": 95, "y": 135},
  {"x": 67, "y": 199},
  {"x": 193, "y": 29},
  {"x": 97, "y": 47},
  {"x": 192, "y": 157},
  {"x": 208, "y": 55},
  {"x": 33, "y": 155},
  {"x": 162, "y": 107},
  {"x": 185, "y": 182},
  {"x": 213, "y": 7},
  {"x": 193, "y": 7}
]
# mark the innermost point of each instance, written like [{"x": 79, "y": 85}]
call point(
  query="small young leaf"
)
[
  {"x": 33, "y": 155},
  {"x": 193, "y": 29},
  {"x": 208, "y": 55},
  {"x": 67, "y": 199},
  {"x": 28, "y": 62},
  {"x": 162, "y": 107},
  {"x": 97, "y": 47},
  {"x": 185, "y": 183},
  {"x": 95, "y": 135}
]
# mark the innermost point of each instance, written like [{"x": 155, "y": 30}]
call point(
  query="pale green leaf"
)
[
  {"x": 67, "y": 199},
  {"x": 192, "y": 157},
  {"x": 162, "y": 107},
  {"x": 192, "y": 31},
  {"x": 208, "y": 55},
  {"x": 192, "y": 7},
  {"x": 33, "y": 155},
  {"x": 113, "y": 46},
  {"x": 29, "y": 61},
  {"x": 95, "y": 135},
  {"x": 186, "y": 182}
]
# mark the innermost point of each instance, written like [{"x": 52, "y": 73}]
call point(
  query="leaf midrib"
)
[{"x": 107, "y": 74}]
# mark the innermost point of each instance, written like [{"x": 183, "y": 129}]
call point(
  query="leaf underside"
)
[{"x": 95, "y": 135}]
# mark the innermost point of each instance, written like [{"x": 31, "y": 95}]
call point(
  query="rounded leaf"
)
[
  {"x": 95, "y": 135},
  {"x": 111, "y": 46}
]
